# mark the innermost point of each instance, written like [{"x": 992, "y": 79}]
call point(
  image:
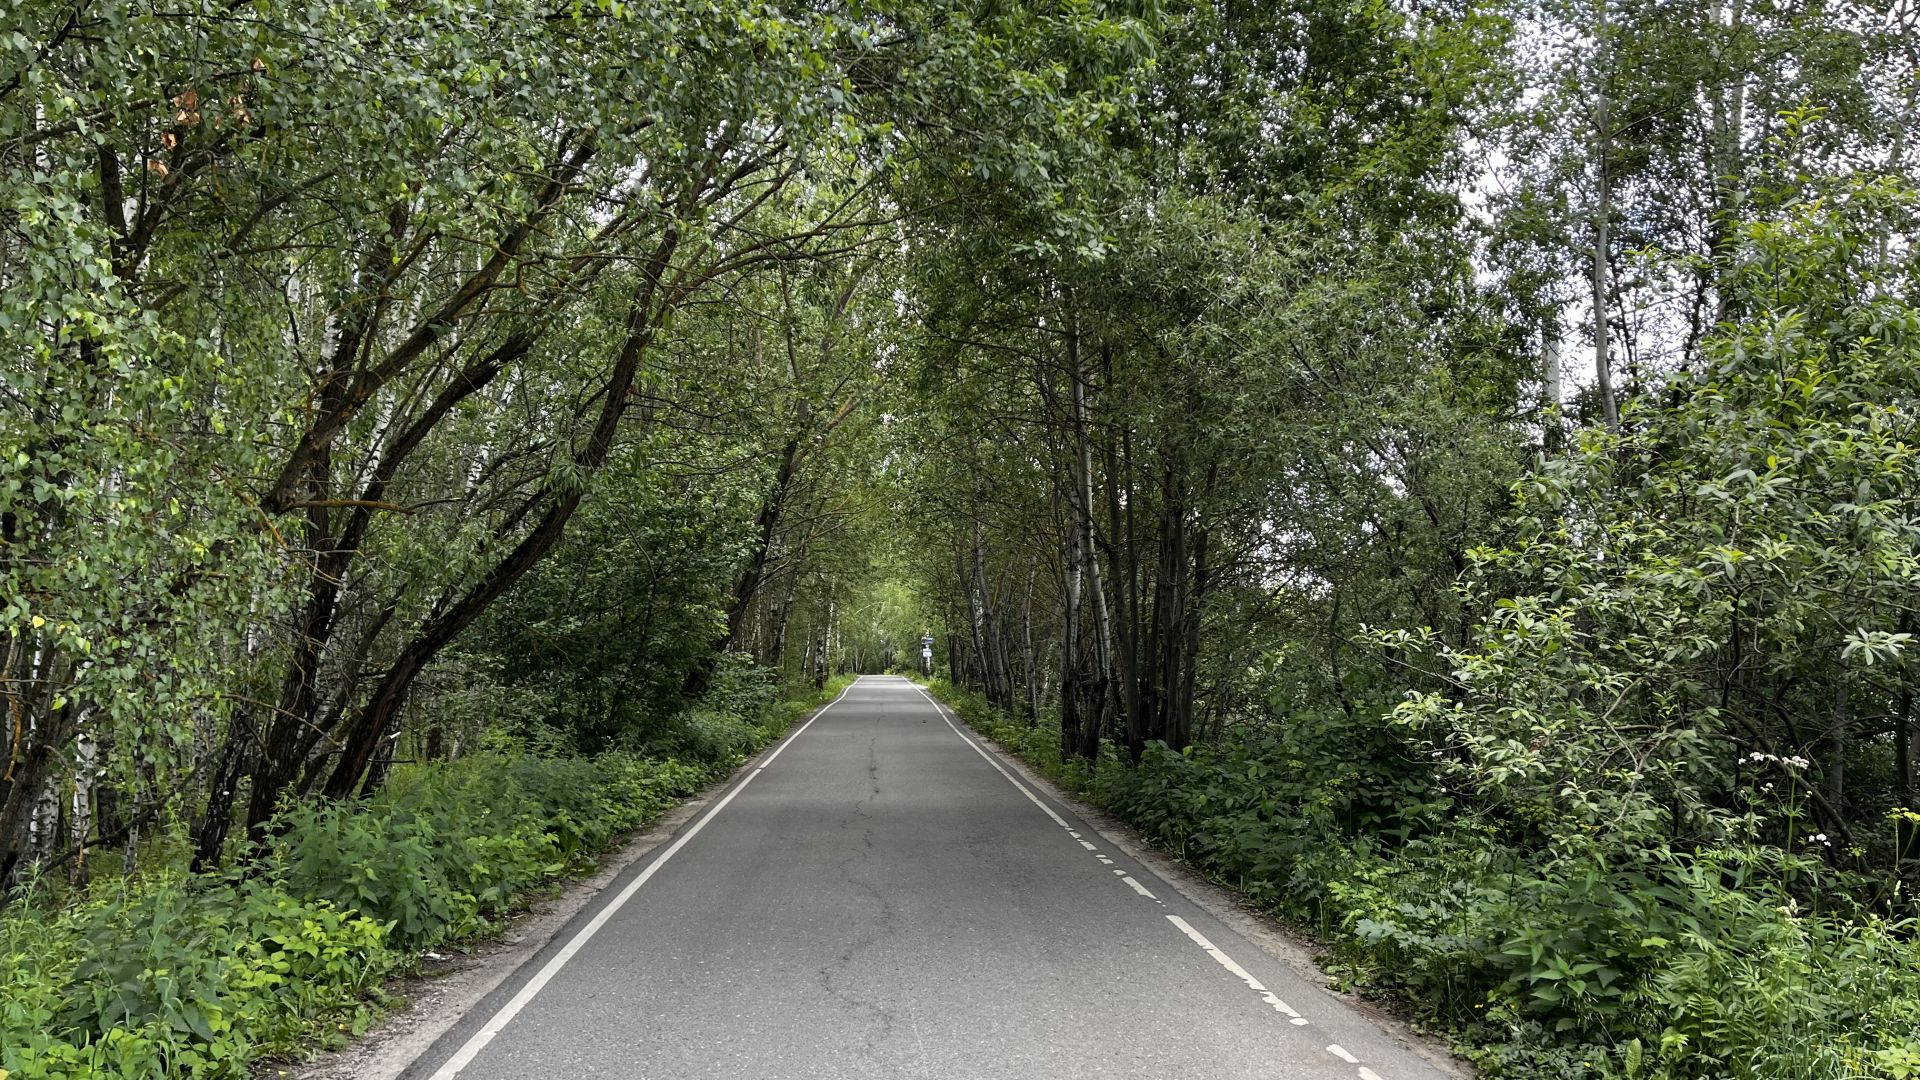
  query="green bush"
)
[
  {"x": 174, "y": 975},
  {"x": 1549, "y": 963},
  {"x": 442, "y": 851},
  {"x": 177, "y": 978}
]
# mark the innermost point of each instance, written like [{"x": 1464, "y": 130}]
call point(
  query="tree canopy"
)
[{"x": 1475, "y": 435}]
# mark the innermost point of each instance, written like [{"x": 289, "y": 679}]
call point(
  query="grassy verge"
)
[
  {"x": 1668, "y": 965},
  {"x": 176, "y": 975}
]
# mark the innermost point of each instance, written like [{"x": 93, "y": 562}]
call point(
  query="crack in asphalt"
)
[{"x": 883, "y": 925}]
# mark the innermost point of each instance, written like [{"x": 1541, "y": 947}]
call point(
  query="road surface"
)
[{"x": 882, "y": 898}]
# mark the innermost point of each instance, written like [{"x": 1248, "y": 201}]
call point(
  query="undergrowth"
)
[
  {"x": 172, "y": 975},
  {"x": 1593, "y": 964}
]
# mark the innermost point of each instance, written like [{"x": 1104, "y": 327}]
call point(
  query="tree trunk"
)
[
  {"x": 1170, "y": 603},
  {"x": 988, "y": 638},
  {"x": 1028, "y": 669},
  {"x": 1070, "y": 678},
  {"x": 38, "y": 732},
  {"x": 1123, "y": 559},
  {"x": 1602, "y": 210},
  {"x": 1727, "y": 152},
  {"x": 1551, "y": 421},
  {"x": 298, "y": 724},
  {"x": 210, "y": 832},
  {"x": 1180, "y": 731},
  {"x": 1100, "y": 679},
  {"x": 646, "y": 312},
  {"x": 970, "y": 595},
  {"x": 80, "y": 813}
]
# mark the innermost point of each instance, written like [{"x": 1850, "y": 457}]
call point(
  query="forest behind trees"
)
[{"x": 1447, "y": 470}]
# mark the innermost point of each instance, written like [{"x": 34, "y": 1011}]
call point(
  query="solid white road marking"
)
[
  {"x": 1199, "y": 939},
  {"x": 1031, "y": 797},
  {"x": 465, "y": 1055},
  {"x": 1340, "y": 1052},
  {"x": 1227, "y": 962}
]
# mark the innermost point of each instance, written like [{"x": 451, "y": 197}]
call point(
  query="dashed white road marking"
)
[
  {"x": 1187, "y": 928},
  {"x": 1246, "y": 976},
  {"x": 472, "y": 1047},
  {"x": 1368, "y": 1074}
]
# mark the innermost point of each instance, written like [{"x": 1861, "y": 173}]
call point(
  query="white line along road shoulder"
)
[
  {"x": 1229, "y": 963},
  {"x": 1183, "y": 925},
  {"x": 1198, "y": 938},
  {"x": 1035, "y": 799},
  {"x": 498, "y": 1022}
]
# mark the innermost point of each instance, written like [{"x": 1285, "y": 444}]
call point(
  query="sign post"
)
[{"x": 926, "y": 656}]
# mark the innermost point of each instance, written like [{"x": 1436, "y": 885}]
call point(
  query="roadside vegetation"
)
[
  {"x": 178, "y": 974},
  {"x": 1448, "y": 469},
  {"x": 420, "y": 426},
  {"x": 1654, "y": 963},
  {"x": 1641, "y": 806}
]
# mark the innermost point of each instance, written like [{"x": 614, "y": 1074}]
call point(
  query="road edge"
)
[
  {"x": 434, "y": 1002},
  {"x": 1284, "y": 943}
]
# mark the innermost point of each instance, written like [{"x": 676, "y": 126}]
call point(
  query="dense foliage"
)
[
  {"x": 1447, "y": 468},
  {"x": 196, "y": 976},
  {"x": 321, "y": 327},
  {"x": 1647, "y": 811},
  {"x": 1700, "y": 964}
]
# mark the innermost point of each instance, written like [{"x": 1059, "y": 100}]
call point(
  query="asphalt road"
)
[{"x": 880, "y": 898}]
